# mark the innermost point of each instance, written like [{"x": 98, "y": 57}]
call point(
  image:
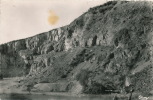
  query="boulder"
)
[{"x": 77, "y": 88}]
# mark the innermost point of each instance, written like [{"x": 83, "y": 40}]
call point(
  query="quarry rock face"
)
[{"x": 98, "y": 51}]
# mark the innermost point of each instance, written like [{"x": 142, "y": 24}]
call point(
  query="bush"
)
[
  {"x": 95, "y": 89},
  {"x": 82, "y": 77}
]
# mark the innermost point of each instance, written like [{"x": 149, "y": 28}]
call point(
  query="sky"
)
[{"x": 24, "y": 18}]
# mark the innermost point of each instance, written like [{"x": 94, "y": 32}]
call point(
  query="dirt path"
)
[{"x": 10, "y": 85}]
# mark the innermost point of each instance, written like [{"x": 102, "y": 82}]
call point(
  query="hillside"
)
[{"x": 96, "y": 52}]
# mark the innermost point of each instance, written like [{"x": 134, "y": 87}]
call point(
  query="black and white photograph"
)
[{"x": 76, "y": 50}]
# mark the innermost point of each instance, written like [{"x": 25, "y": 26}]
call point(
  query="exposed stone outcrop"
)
[{"x": 98, "y": 51}]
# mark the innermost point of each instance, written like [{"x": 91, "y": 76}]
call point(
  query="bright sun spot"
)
[{"x": 53, "y": 18}]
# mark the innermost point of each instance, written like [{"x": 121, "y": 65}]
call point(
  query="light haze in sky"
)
[{"x": 24, "y": 18}]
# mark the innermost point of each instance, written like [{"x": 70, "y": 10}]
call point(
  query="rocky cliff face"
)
[{"x": 99, "y": 50}]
